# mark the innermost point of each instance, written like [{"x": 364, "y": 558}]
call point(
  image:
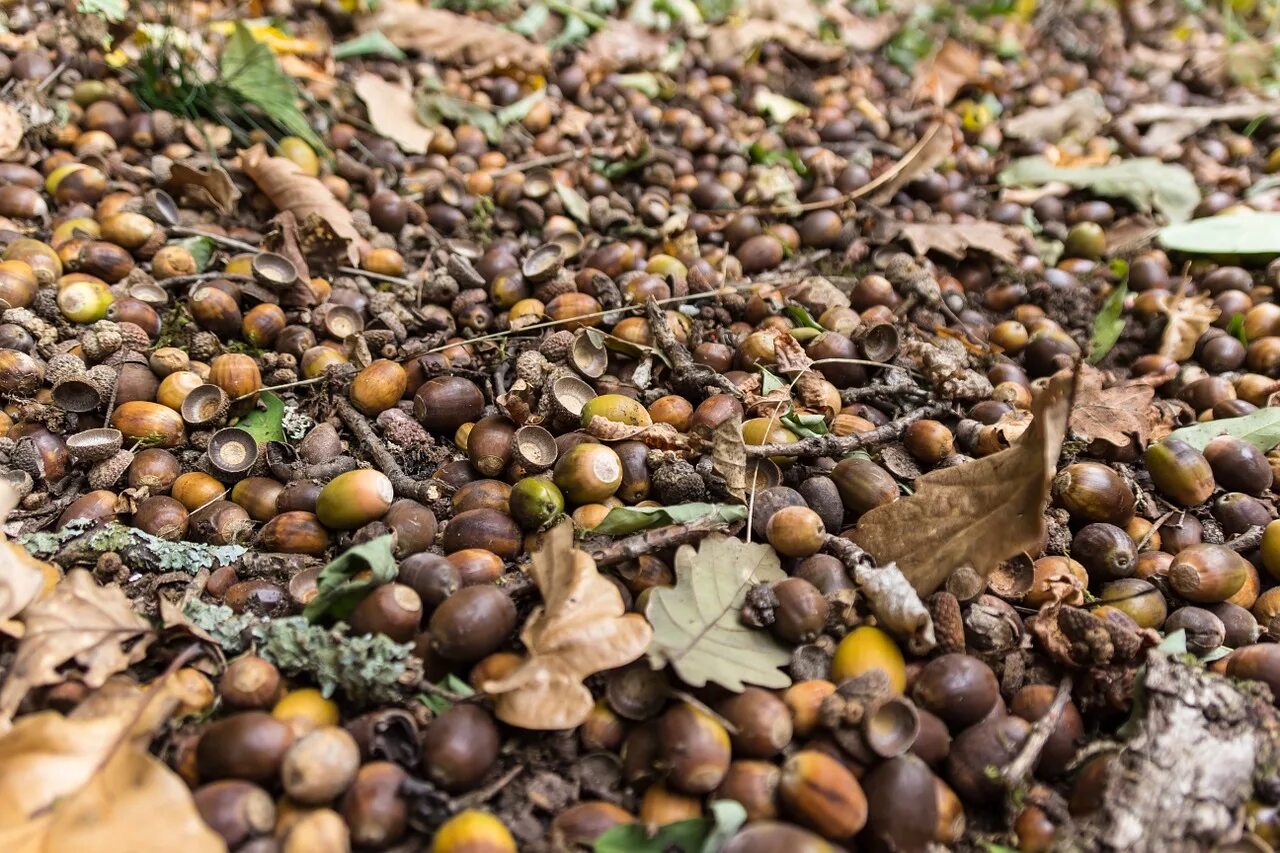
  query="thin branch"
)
[
  {"x": 649, "y": 541},
  {"x": 1016, "y": 771},
  {"x": 686, "y": 373},
  {"x": 842, "y": 445},
  {"x": 404, "y": 485}
]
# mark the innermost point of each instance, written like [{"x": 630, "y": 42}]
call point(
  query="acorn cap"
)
[
  {"x": 892, "y": 728},
  {"x": 232, "y": 451},
  {"x": 762, "y": 474},
  {"x": 161, "y": 207},
  {"x": 273, "y": 271},
  {"x": 150, "y": 293},
  {"x": 571, "y": 242},
  {"x": 341, "y": 322},
  {"x": 205, "y": 405},
  {"x": 105, "y": 474},
  {"x": 570, "y": 394},
  {"x": 535, "y": 448},
  {"x": 95, "y": 445},
  {"x": 879, "y": 342},
  {"x": 543, "y": 263},
  {"x": 1012, "y": 579},
  {"x": 304, "y": 585},
  {"x": 538, "y": 183},
  {"x": 18, "y": 480},
  {"x": 588, "y": 355},
  {"x": 78, "y": 395}
]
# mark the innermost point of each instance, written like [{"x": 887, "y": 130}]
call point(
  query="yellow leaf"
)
[{"x": 273, "y": 37}]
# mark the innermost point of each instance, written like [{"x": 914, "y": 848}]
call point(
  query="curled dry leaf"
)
[
  {"x": 1172, "y": 123},
  {"x": 896, "y": 604},
  {"x": 697, "y": 626},
  {"x": 977, "y": 514},
  {"x": 457, "y": 39},
  {"x": 657, "y": 436},
  {"x": 952, "y": 68},
  {"x": 78, "y": 622},
  {"x": 393, "y": 113},
  {"x": 729, "y": 456},
  {"x": 1115, "y": 415},
  {"x": 210, "y": 186},
  {"x": 581, "y": 628},
  {"x": 12, "y": 131},
  {"x": 21, "y": 577},
  {"x": 1189, "y": 317},
  {"x": 87, "y": 782},
  {"x": 622, "y": 46},
  {"x": 290, "y": 189},
  {"x": 956, "y": 238},
  {"x": 791, "y": 357}
]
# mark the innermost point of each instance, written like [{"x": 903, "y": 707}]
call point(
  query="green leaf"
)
[
  {"x": 249, "y": 69},
  {"x": 1216, "y": 654},
  {"x": 686, "y": 836},
  {"x": 1174, "y": 644},
  {"x": 201, "y": 249},
  {"x": 574, "y": 203},
  {"x": 1108, "y": 325},
  {"x": 622, "y": 520},
  {"x": 515, "y": 112},
  {"x": 1235, "y": 328},
  {"x": 1252, "y": 234},
  {"x": 452, "y": 683},
  {"x": 265, "y": 422},
  {"x": 644, "y": 82},
  {"x": 1145, "y": 181},
  {"x": 729, "y": 816},
  {"x": 575, "y": 30},
  {"x": 338, "y": 590},
  {"x": 697, "y": 627},
  {"x": 372, "y": 43},
  {"x": 532, "y": 20},
  {"x": 770, "y": 382},
  {"x": 1260, "y": 428},
  {"x": 801, "y": 317},
  {"x": 778, "y": 108},
  {"x": 114, "y": 11},
  {"x": 806, "y": 425}
]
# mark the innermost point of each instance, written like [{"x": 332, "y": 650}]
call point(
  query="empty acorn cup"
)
[
  {"x": 205, "y": 406},
  {"x": 232, "y": 451},
  {"x": 94, "y": 445},
  {"x": 535, "y": 448}
]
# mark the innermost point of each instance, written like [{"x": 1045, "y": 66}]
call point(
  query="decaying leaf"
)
[
  {"x": 211, "y": 186},
  {"x": 955, "y": 238},
  {"x": 20, "y": 576},
  {"x": 697, "y": 626},
  {"x": 348, "y": 577},
  {"x": 952, "y": 68},
  {"x": 934, "y": 146},
  {"x": 582, "y": 627},
  {"x": 729, "y": 456},
  {"x": 78, "y": 622},
  {"x": 622, "y": 520},
  {"x": 732, "y": 41},
  {"x": 896, "y": 605},
  {"x": 283, "y": 182},
  {"x": 1079, "y": 115},
  {"x": 87, "y": 782},
  {"x": 12, "y": 131},
  {"x": 791, "y": 357},
  {"x": 622, "y": 46},
  {"x": 393, "y": 113},
  {"x": 1189, "y": 317},
  {"x": 658, "y": 436},
  {"x": 1148, "y": 183},
  {"x": 1172, "y": 123},
  {"x": 977, "y": 514},
  {"x": 1115, "y": 415},
  {"x": 458, "y": 39}
]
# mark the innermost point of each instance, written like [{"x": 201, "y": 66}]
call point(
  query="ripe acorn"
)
[
  {"x": 378, "y": 387},
  {"x": 373, "y": 808},
  {"x": 460, "y": 747},
  {"x": 993, "y": 742},
  {"x": 801, "y": 612},
  {"x": 238, "y": 375},
  {"x": 770, "y": 837},
  {"x": 472, "y": 623},
  {"x": 865, "y": 648},
  {"x": 694, "y": 748},
  {"x": 761, "y": 722},
  {"x": 236, "y": 810},
  {"x": 819, "y": 792},
  {"x": 1180, "y": 472},
  {"x": 1257, "y": 663},
  {"x": 249, "y": 745},
  {"x": 581, "y": 824},
  {"x": 1093, "y": 492},
  {"x": 262, "y": 324},
  {"x": 490, "y": 445},
  {"x": 864, "y": 485},
  {"x": 1203, "y": 630},
  {"x": 1031, "y": 703},
  {"x": 1106, "y": 551},
  {"x": 588, "y": 473},
  {"x": 796, "y": 531},
  {"x": 483, "y": 528},
  {"x": 445, "y": 403},
  {"x": 250, "y": 683},
  {"x": 413, "y": 525},
  {"x": 320, "y": 765},
  {"x": 1238, "y": 465},
  {"x": 433, "y": 577},
  {"x": 162, "y": 517},
  {"x": 354, "y": 499},
  {"x": 150, "y": 424},
  {"x": 1207, "y": 574},
  {"x": 473, "y": 831},
  {"x": 392, "y": 609},
  {"x": 535, "y": 502},
  {"x": 958, "y": 688},
  {"x": 1137, "y": 598},
  {"x": 902, "y": 804}
]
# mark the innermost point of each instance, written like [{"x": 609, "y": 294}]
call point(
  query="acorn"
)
[
  {"x": 769, "y": 837},
  {"x": 490, "y": 445},
  {"x": 993, "y": 742},
  {"x": 796, "y": 531},
  {"x": 1031, "y": 703},
  {"x": 17, "y": 282},
  {"x": 1240, "y": 625},
  {"x": 472, "y": 831},
  {"x": 483, "y": 528},
  {"x": 445, "y": 403},
  {"x": 1180, "y": 472},
  {"x": 761, "y": 723},
  {"x": 588, "y": 473},
  {"x": 194, "y": 489},
  {"x": 1207, "y": 574},
  {"x": 262, "y": 324},
  {"x": 482, "y": 494},
  {"x": 258, "y": 496},
  {"x": 20, "y": 374},
  {"x": 1093, "y": 492},
  {"x": 217, "y": 311},
  {"x": 820, "y": 793},
  {"x": 582, "y": 824},
  {"x": 236, "y": 810},
  {"x": 928, "y": 441},
  {"x": 392, "y": 609},
  {"x": 694, "y": 748},
  {"x": 149, "y": 424},
  {"x": 294, "y": 533},
  {"x": 1203, "y": 630},
  {"x": 1238, "y": 465},
  {"x": 958, "y": 688},
  {"x": 238, "y": 375},
  {"x": 864, "y": 485},
  {"x": 249, "y": 745},
  {"x": 460, "y": 747},
  {"x": 1257, "y": 663},
  {"x": 535, "y": 502},
  {"x": 801, "y": 612},
  {"x": 161, "y": 516},
  {"x": 1137, "y": 598},
  {"x": 866, "y": 648},
  {"x": 250, "y": 683},
  {"x": 320, "y": 766},
  {"x": 472, "y": 623},
  {"x": 373, "y": 807},
  {"x": 378, "y": 387},
  {"x": 476, "y": 566},
  {"x": 902, "y": 805},
  {"x": 1106, "y": 552},
  {"x": 413, "y": 525},
  {"x": 317, "y": 831},
  {"x": 354, "y": 499}
]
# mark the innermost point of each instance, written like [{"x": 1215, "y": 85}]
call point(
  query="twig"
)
[
  {"x": 1020, "y": 768},
  {"x": 649, "y": 541},
  {"x": 1247, "y": 541},
  {"x": 842, "y": 445},
  {"x": 686, "y": 373},
  {"x": 404, "y": 485},
  {"x": 217, "y": 238},
  {"x": 488, "y": 792},
  {"x": 376, "y": 276},
  {"x": 549, "y": 160},
  {"x": 196, "y": 278},
  {"x": 53, "y": 75}
]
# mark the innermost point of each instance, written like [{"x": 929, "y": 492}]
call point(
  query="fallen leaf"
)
[
  {"x": 249, "y": 69},
  {"x": 733, "y": 41},
  {"x": 696, "y": 624},
  {"x": 778, "y": 108},
  {"x": 1189, "y": 317},
  {"x": 1260, "y": 428},
  {"x": 658, "y": 436},
  {"x": 581, "y": 627},
  {"x": 284, "y": 237},
  {"x": 21, "y": 578},
  {"x": 977, "y": 514},
  {"x": 956, "y": 238},
  {"x": 622, "y": 520},
  {"x": 932, "y": 148},
  {"x": 12, "y": 131},
  {"x": 1255, "y": 234},
  {"x": 266, "y": 421},
  {"x": 1108, "y": 325},
  {"x": 348, "y": 577},
  {"x": 859, "y": 33},
  {"x": 393, "y": 113},
  {"x": 371, "y": 43},
  {"x": 953, "y": 67},
  {"x": 729, "y": 456},
  {"x": 896, "y": 605},
  {"x": 288, "y": 188},
  {"x": 1172, "y": 123},
  {"x": 78, "y": 622},
  {"x": 621, "y": 46},
  {"x": 456, "y": 39},
  {"x": 696, "y": 835},
  {"x": 88, "y": 782},
  {"x": 211, "y": 186},
  {"x": 1080, "y": 116},
  {"x": 1145, "y": 181},
  {"x": 791, "y": 357},
  {"x": 1116, "y": 415}
]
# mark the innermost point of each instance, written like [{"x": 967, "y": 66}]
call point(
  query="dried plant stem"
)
[
  {"x": 404, "y": 485},
  {"x": 658, "y": 539},
  {"x": 1016, "y": 771},
  {"x": 685, "y": 372},
  {"x": 841, "y": 445}
]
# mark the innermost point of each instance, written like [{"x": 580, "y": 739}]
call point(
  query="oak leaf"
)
[
  {"x": 697, "y": 625},
  {"x": 457, "y": 39},
  {"x": 78, "y": 622},
  {"x": 956, "y": 238},
  {"x": 211, "y": 186},
  {"x": 1189, "y": 317},
  {"x": 977, "y": 514},
  {"x": 582, "y": 627},
  {"x": 289, "y": 188},
  {"x": 21, "y": 577},
  {"x": 393, "y": 113},
  {"x": 729, "y": 456},
  {"x": 87, "y": 781},
  {"x": 952, "y": 68},
  {"x": 1115, "y": 415}
]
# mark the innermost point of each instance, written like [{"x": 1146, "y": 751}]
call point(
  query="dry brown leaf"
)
[
  {"x": 457, "y": 39},
  {"x": 12, "y": 131},
  {"x": 1115, "y": 415},
  {"x": 952, "y": 68},
  {"x": 20, "y": 576},
  {"x": 1172, "y": 123},
  {"x": 87, "y": 782},
  {"x": 977, "y": 514},
  {"x": 211, "y": 186},
  {"x": 1189, "y": 317},
  {"x": 790, "y": 355},
  {"x": 1080, "y": 115},
  {"x": 729, "y": 456},
  {"x": 659, "y": 436},
  {"x": 955, "y": 238},
  {"x": 620, "y": 46},
  {"x": 581, "y": 628},
  {"x": 393, "y": 113},
  {"x": 1012, "y": 425},
  {"x": 290, "y": 189},
  {"x": 78, "y": 622},
  {"x": 733, "y": 41},
  {"x": 932, "y": 149}
]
